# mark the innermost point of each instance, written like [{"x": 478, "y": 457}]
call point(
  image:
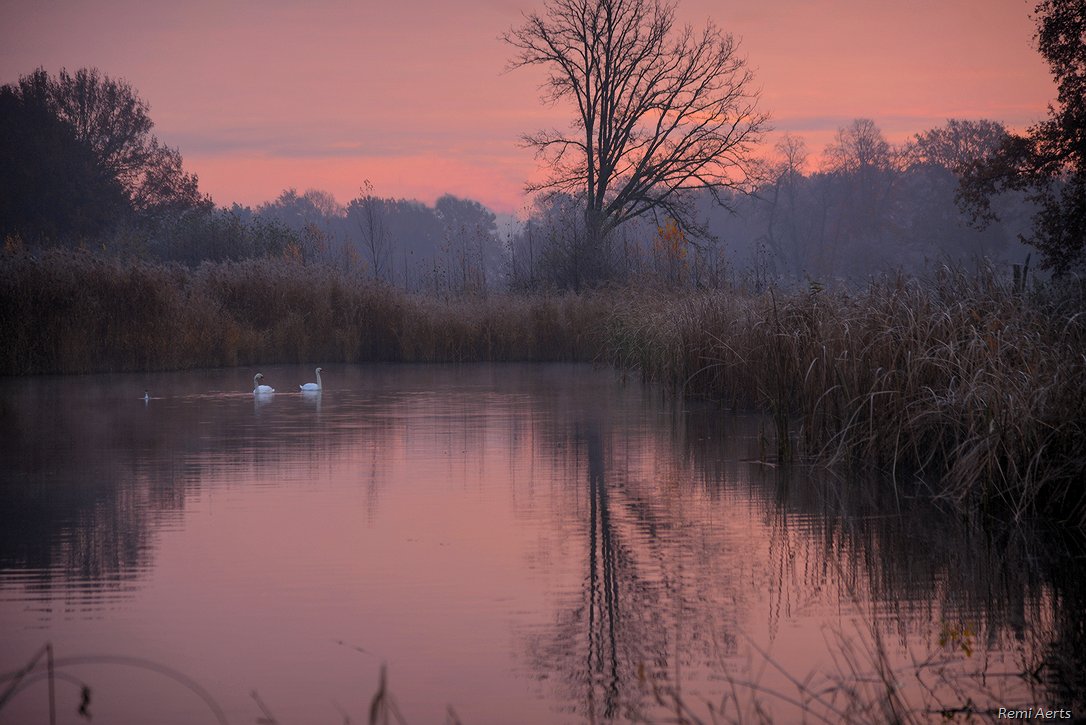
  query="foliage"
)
[
  {"x": 870, "y": 207},
  {"x": 99, "y": 128},
  {"x": 958, "y": 144},
  {"x": 51, "y": 183},
  {"x": 1049, "y": 161},
  {"x": 965, "y": 380},
  {"x": 873, "y": 207},
  {"x": 219, "y": 235},
  {"x": 670, "y": 250},
  {"x": 75, "y": 312},
  {"x": 369, "y": 214}
]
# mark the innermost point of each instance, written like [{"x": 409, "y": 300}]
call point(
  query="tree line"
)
[
  {"x": 868, "y": 207},
  {"x": 86, "y": 170},
  {"x": 661, "y": 178}
]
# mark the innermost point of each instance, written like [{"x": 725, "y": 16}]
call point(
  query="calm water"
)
[{"x": 519, "y": 543}]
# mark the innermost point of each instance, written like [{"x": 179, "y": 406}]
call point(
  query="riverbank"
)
[{"x": 965, "y": 380}]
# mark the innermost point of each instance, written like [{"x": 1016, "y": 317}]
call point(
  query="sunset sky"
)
[{"x": 413, "y": 95}]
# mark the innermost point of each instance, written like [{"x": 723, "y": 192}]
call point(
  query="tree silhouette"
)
[
  {"x": 52, "y": 186},
  {"x": 1048, "y": 162},
  {"x": 660, "y": 110},
  {"x": 108, "y": 118}
]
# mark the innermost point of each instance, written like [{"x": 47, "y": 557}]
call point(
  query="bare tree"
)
[
  {"x": 864, "y": 171},
  {"x": 368, "y": 211},
  {"x": 781, "y": 197},
  {"x": 858, "y": 147},
  {"x": 660, "y": 110}
]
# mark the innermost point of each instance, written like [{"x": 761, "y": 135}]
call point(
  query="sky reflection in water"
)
[{"x": 522, "y": 543}]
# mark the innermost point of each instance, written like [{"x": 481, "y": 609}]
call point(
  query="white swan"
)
[
  {"x": 259, "y": 389},
  {"x": 312, "y": 387}
]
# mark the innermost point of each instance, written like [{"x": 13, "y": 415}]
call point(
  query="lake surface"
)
[{"x": 514, "y": 543}]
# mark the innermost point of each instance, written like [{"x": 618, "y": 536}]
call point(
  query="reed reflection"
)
[{"x": 692, "y": 545}]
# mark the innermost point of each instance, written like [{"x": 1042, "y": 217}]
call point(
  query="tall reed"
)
[
  {"x": 65, "y": 312},
  {"x": 963, "y": 379}
]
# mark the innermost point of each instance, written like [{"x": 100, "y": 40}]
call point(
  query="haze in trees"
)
[{"x": 660, "y": 111}]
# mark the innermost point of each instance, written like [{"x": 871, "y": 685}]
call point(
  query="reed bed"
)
[
  {"x": 74, "y": 312},
  {"x": 964, "y": 380}
]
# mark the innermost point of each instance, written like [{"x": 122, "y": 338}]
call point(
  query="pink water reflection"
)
[{"x": 520, "y": 543}]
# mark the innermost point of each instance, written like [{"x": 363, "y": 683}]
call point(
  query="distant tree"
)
[
  {"x": 319, "y": 220},
  {"x": 217, "y": 235},
  {"x": 368, "y": 212},
  {"x": 858, "y": 147},
  {"x": 781, "y": 199},
  {"x": 659, "y": 110},
  {"x": 109, "y": 116},
  {"x": 559, "y": 236},
  {"x": 936, "y": 161},
  {"x": 861, "y": 168},
  {"x": 1048, "y": 162},
  {"x": 958, "y": 145},
  {"x": 297, "y": 211},
  {"x": 470, "y": 242}
]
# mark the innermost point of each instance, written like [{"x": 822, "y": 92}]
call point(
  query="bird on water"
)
[{"x": 312, "y": 387}]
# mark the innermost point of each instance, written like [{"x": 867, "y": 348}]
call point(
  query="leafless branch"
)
[{"x": 660, "y": 110}]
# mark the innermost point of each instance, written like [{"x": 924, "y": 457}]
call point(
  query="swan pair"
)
[{"x": 259, "y": 389}]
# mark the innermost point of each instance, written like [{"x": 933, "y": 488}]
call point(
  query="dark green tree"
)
[
  {"x": 1048, "y": 162},
  {"x": 52, "y": 186},
  {"x": 101, "y": 128}
]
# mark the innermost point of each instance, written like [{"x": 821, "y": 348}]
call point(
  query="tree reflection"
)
[
  {"x": 684, "y": 530},
  {"x": 602, "y": 584},
  {"x": 648, "y": 618}
]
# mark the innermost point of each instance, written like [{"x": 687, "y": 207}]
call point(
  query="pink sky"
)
[{"x": 263, "y": 96}]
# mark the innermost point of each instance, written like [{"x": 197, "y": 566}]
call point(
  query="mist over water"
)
[{"x": 529, "y": 543}]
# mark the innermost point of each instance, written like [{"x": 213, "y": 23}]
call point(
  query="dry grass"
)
[
  {"x": 963, "y": 379},
  {"x": 64, "y": 312}
]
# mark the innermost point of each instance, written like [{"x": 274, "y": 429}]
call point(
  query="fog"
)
[{"x": 867, "y": 208}]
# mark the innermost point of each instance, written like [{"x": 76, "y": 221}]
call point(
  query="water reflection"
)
[
  {"x": 541, "y": 525},
  {"x": 686, "y": 560}
]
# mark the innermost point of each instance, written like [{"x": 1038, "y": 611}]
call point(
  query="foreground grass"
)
[
  {"x": 966, "y": 380},
  {"x": 860, "y": 687}
]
